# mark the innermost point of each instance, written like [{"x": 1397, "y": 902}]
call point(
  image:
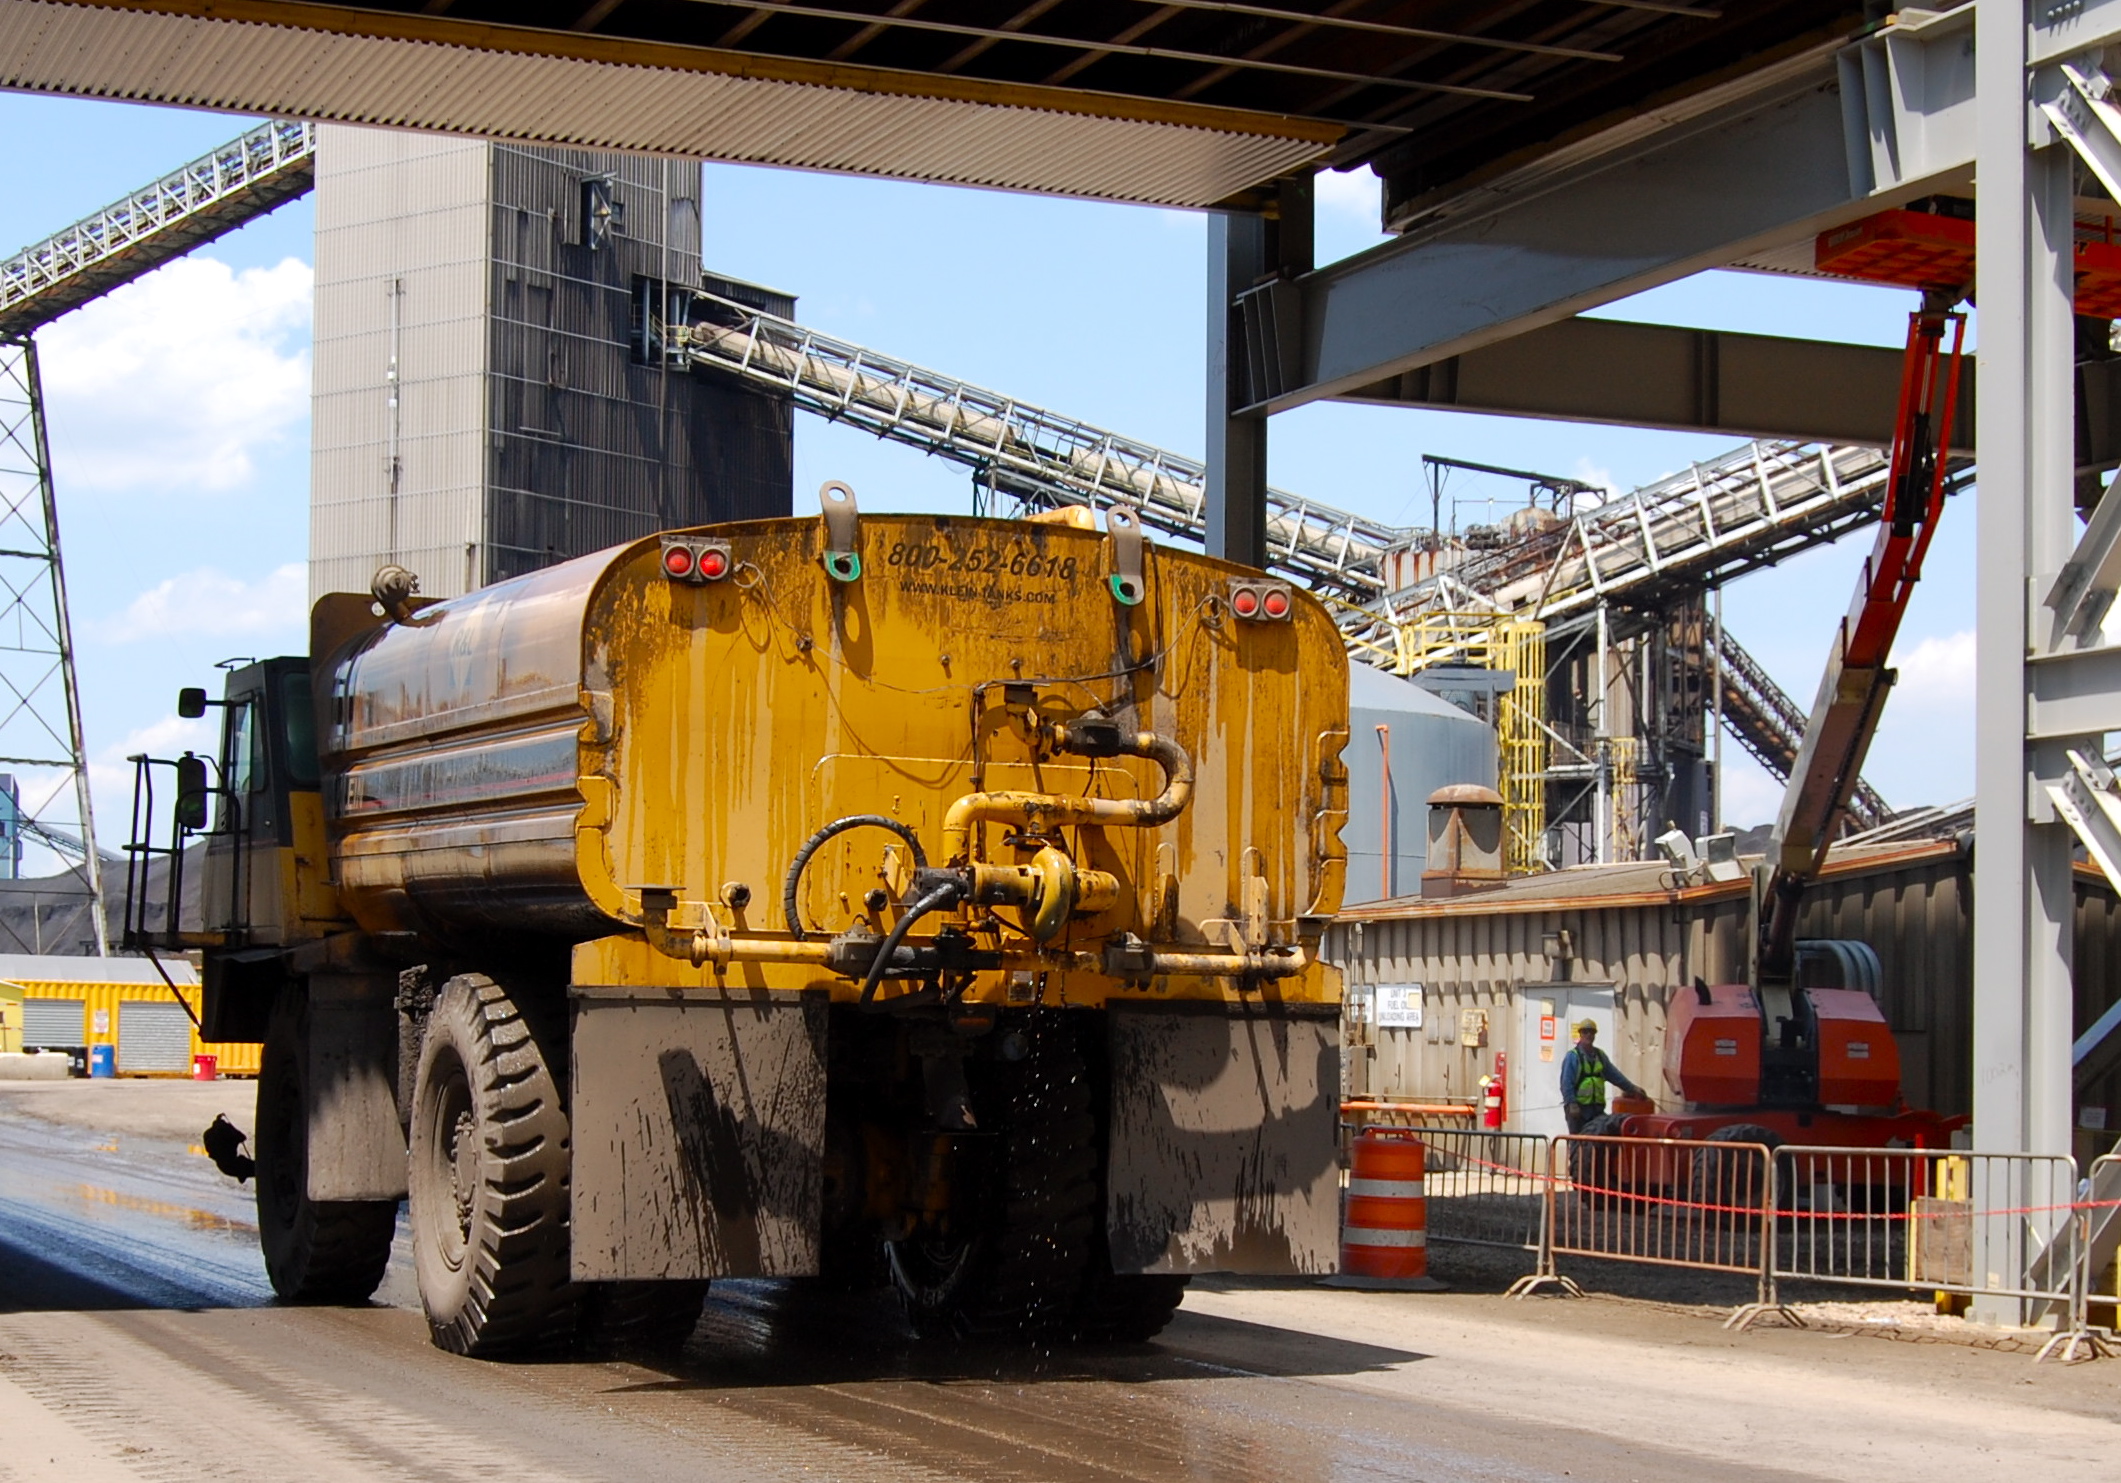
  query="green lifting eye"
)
[
  {"x": 1126, "y": 590},
  {"x": 844, "y": 566}
]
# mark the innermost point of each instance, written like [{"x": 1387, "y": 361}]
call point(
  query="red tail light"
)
[
  {"x": 1261, "y": 600},
  {"x": 696, "y": 561}
]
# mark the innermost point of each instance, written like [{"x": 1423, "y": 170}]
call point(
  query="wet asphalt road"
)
[{"x": 138, "y": 1339}]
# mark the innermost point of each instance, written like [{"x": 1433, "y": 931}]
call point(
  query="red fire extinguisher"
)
[{"x": 1494, "y": 1100}]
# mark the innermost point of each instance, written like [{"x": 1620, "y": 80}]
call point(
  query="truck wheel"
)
[
  {"x": 490, "y": 1160},
  {"x": 316, "y": 1251},
  {"x": 1116, "y": 1309},
  {"x": 1728, "y": 1179},
  {"x": 1595, "y": 1169},
  {"x": 1014, "y": 1264},
  {"x": 650, "y": 1319}
]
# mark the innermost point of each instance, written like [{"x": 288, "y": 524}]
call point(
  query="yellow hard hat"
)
[{"x": 1590, "y": 1025}]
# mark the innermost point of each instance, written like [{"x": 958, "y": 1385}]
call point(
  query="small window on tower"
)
[{"x": 603, "y": 213}]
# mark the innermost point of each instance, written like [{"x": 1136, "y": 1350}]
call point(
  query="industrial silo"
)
[{"x": 1401, "y": 734}]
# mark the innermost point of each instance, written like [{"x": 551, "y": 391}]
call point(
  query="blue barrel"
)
[{"x": 103, "y": 1060}]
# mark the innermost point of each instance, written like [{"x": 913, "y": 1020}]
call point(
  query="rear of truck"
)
[{"x": 904, "y": 899}]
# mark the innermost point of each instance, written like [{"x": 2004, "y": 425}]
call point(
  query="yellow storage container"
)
[
  {"x": 10, "y": 1018},
  {"x": 121, "y": 1002}
]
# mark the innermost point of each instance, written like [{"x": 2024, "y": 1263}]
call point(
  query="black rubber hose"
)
[
  {"x": 941, "y": 894},
  {"x": 794, "y": 879}
]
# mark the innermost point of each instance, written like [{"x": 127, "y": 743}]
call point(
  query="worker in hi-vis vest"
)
[{"x": 1585, "y": 1070}]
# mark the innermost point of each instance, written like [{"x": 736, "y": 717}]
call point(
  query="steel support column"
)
[
  {"x": 2022, "y": 887},
  {"x": 1237, "y": 446},
  {"x": 1245, "y": 251}
]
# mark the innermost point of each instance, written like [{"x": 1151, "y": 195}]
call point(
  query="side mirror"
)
[
  {"x": 191, "y": 790},
  {"x": 191, "y": 702}
]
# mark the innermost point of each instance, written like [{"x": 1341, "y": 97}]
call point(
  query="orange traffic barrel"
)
[{"x": 1384, "y": 1227}]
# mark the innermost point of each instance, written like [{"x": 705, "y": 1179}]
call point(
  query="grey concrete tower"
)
[{"x": 478, "y": 408}]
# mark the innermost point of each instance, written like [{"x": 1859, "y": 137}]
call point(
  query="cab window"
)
[
  {"x": 242, "y": 763},
  {"x": 299, "y": 725}
]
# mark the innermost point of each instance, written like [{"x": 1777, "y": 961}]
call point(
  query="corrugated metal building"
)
[
  {"x": 478, "y": 408},
  {"x": 121, "y": 1002},
  {"x": 1614, "y": 940}
]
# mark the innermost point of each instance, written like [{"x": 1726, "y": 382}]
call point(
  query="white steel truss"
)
[
  {"x": 40, "y": 705},
  {"x": 214, "y": 194}
]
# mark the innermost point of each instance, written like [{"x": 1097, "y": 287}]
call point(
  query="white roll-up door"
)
[
  {"x": 53, "y": 1021},
  {"x": 153, "y": 1036}
]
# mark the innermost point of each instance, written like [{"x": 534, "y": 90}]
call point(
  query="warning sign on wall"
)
[{"x": 1399, "y": 1006}]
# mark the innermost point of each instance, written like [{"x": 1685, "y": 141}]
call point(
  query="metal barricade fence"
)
[
  {"x": 1485, "y": 1189},
  {"x": 1672, "y": 1202},
  {"x": 2013, "y": 1226},
  {"x": 1984, "y": 1224}
]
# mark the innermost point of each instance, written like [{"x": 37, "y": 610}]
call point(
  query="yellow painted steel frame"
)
[{"x": 729, "y": 720}]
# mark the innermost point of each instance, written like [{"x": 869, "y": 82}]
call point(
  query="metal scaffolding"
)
[{"x": 40, "y": 702}]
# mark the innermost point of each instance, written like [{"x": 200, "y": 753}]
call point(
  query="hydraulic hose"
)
[
  {"x": 794, "y": 879},
  {"x": 943, "y": 893}
]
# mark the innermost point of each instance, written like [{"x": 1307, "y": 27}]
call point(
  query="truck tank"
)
[
  {"x": 901, "y": 898},
  {"x": 533, "y": 756}
]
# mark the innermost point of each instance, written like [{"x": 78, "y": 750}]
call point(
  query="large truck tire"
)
[
  {"x": 1126, "y": 1309},
  {"x": 1015, "y": 1266},
  {"x": 316, "y": 1251},
  {"x": 489, "y": 1174},
  {"x": 651, "y": 1320}
]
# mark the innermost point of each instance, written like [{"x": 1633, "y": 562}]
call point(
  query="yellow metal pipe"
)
[{"x": 1043, "y": 810}]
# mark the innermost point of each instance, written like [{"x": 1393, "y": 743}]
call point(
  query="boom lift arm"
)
[{"x": 1852, "y": 693}]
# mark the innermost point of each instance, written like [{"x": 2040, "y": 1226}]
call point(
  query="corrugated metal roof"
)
[
  {"x": 21, "y": 968},
  {"x": 107, "y": 52},
  {"x": 1636, "y": 883}
]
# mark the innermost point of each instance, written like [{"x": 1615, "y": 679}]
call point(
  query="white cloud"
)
[
  {"x": 207, "y": 601},
  {"x": 1595, "y": 473},
  {"x": 1352, "y": 191},
  {"x": 1937, "y": 675},
  {"x": 177, "y": 381}
]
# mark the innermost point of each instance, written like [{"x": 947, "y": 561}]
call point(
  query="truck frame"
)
[{"x": 908, "y": 900}]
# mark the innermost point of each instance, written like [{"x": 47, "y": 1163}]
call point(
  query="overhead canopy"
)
[{"x": 1172, "y": 102}]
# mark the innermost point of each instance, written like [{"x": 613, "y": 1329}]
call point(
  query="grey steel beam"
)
[
  {"x": 1236, "y": 489},
  {"x": 2072, "y": 694},
  {"x": 1685, "y": 380},
  {"x": 2023, "y": 893},
  {"x": 1247, "y": 256},
  {"x": 2059, "y": 31},
  {"x": 1788, "y": 151},
  {"x": 1764, "y": 172}
]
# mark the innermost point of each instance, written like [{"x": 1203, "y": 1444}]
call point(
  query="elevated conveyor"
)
[
  {"x": 208, "y": 198},
  {"x": 1038, "y": 457}
]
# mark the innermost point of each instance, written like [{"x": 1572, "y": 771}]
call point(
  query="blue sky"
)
[{"x": 180, "y": 419}]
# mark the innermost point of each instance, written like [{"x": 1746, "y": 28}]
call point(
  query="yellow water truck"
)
[{"x": 890, "y": 899}]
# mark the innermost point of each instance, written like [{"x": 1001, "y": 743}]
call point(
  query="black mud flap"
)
[
  {"x": 1224, "y": 1139},
  {"x": 699, "y": 1134},
  {"x": 355, "y": 1147}
]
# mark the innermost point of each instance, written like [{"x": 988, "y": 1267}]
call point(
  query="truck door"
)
[{"x": 268, "y": 756}]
